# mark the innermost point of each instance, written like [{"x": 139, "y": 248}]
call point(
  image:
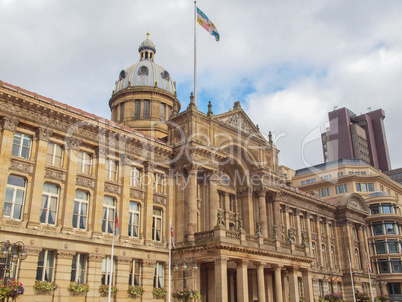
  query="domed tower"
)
[{"x": 145, "y": 95}]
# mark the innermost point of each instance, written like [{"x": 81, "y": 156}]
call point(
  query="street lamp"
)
[
  {"x": 12, "y": 252},
  {"x": 186, "y": 266},
  {"x": 331, "y": 279},
  {"x": 380, "y": 283}
]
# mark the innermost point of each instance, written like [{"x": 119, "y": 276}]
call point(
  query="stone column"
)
[
  {"x": 95, "y": 221},
  {"x": 124, "y": 202},
  {"x": 293, "y": 286},
  {"x": 148, "y": 280},
  {"x": 122, "y": 277},
  {"x": 308, "y": 231},
  {"x": 8, "y": 126},
  {"x": 362, "y": 248},
  {"x": 242, "y": 280},
  {"x": 269, "y": 286},
  {"x": 192, "y": 202},
  {"x": 278, "y": 284},
  {"x": 298, "y": 226},
  {"x": 38, "y": 177},
  {"x": 247, "y": 209},
  {"x": 263, "y": 212},
  {"x": 213, "y": 199},
  {"x": 328, "y": 243},
  {"x": 94, "y": 276},
  {"x": 261, "y": 282},
  {"x": 67, "y": 203},
  {"x": 149, "y": 201},
  {"x": 62, "y": 274},
  {"x": 319, "y": 241},
  {"x": 221, "y": 282},
  {"x": 28, "y": 268},
  {"x": 307, "y": 285},
  {"x": 277, "y": 215}
]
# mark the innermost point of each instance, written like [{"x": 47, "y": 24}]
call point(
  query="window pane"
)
[{"x": 380, "y": 247}]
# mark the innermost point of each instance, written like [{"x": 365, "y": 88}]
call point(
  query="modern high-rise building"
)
[{"x": 357, "y": 137}]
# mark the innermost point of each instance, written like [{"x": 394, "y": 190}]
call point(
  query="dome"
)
[{"x": 145, "y": 73}]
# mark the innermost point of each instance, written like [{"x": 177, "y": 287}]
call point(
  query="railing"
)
[
  {"x": 204, "y": 236},
  {"x": 252, "y": 238},
  {"x": 233, "y": 234}
]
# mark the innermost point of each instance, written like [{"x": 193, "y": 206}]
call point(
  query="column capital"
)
[
  {"x": 9, "y": 123},
  {"x": 221, "y": 260},
  {"x": 96, "y": 258},
  {"x": 73, "y": 143},
  {"x": 65, "y": 255},
  {"x": 100, "y": 152},
  {"x": 149, "y": 166},
  {"x": 245, "y": 191},
  {"x": 261, "y": 191},
  {"x": 43, "y": 134},
  {"x": 241, "y": 261}
]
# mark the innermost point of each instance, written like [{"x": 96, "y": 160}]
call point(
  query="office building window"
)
[
  {"x": 80, "y": 211},
  {"x": 111, "y": 170},
  {"x": 50, "y": 200},
  {"x": 108, "y": 214},
  {"x": 55, "y": 154},
  {"x": 134, "y": 220},
  {"x": 135, "y": 177},
  {"x": 380, "y": 247},
  {"x": 15, "y": 197},
  {"x": 84, "y": 162},
  {"x": 158, "y": 275},
  {"x": 79, "y": 268},
  {"x": 105, "y": 277},
  {"x": 22, "y": 145},
  {"x": 157, "y": 225},
  {"x": 135, "y": 273},
  {"x": 45, "y": 267}
]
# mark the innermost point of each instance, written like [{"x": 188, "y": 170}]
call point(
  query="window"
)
[
  {"x": 383, "y": 266},
  {"x": 324, "y": 255},
  {"x": 157, "y": 225},
  {"x": 291, "y": 220},
  {"x": 111, "y": 168},
  {"x": 323, "y": 192},
  {"x": 158, "y": 275},
  {"x": 302, "y": 223},
  {"x": 333, "y": 256},
  {"x": 108, "y": 214},
  {"x": 15, "y": 197},
  {"x": 313, "y": 226},
  {"x": 146, "y": 110},
  {"x": 340, "y": 174},
  {"x": 393, "y": 247},
  {"x": 341, "y": 189},
  {"x": 390, "y": 228},
  {"x": 22, "y": 145},
  {"x": 13, "y": 271},
  {"x": 380, "y": 247},
  {"x": 313, "y": 252},
  {"x": 364, "y": 187},
  {"x": 105, "y": 279},
  {"x": 322, "y": 228},
  {"x": 331, "y": 230},
  {"x": 80, "y": 211},
  {"x": 134, "y": 220},
  {"x": 303, "y": 182},
  {"x": 231, "y": 226},
  {"x": 160, "y": 182},
  {"x": 220, "y": 200},
  {"x": 320, "y": 288},
  {"x": 357, "y": 258},
  {"x": 137, "y": 109},
  {"x": 78, "y": 268},
  {"x": 54, "y": 155},
  {"x": 45, "y": 268},
  {"x": 50, "y": 200},
  {"x": 386, "y": 208},
  {"x": 363, "y": 173},
  {"x": 135, "y": 177},
  {"x": 231, "y": 203},
  {"x": 378, "y": 229},
  {"x": 394, "y": 288},
  {"x": 84, "y": 163},
  {"x": 121, "y": 112},
  {"x": 375, "y": 209},
  {"x": 135, "y": 273},
  {"x": 371, "y": 187},
  {"x": 163, "y": 110}
]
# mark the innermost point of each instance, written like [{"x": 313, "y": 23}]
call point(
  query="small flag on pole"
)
[
  {"x": 116, "y": 223},
  {"x": 204, "y": 21},
  {"x": 172, "y": 235}
]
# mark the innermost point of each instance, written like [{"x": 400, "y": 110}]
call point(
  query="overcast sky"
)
[{"x": 288, "y": 62}]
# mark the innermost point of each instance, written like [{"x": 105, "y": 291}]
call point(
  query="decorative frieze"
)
[
  {"x": 96, "y": 258},
  {"x": 54, "y": 174},
  {"x": 21, "y": 167},
  {"x": 73, "y": 143},
  {"x": 112, "y": 188},
  {"x": 43, "y": 134},
  {"x": 9, "y": 123},
  {"x": 136, "y": 194},
  {"x": 159, "y": 199},
  {"x": 65, "y": 255},
  {"x": 85, "y": 182}
]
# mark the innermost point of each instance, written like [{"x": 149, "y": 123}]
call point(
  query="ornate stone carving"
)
[
  {"x": 73, "y": 143},
  {"x": 238, "y": 122},
  {"x": 43, "y": 134},
  {"x": 136, "y": 194},
  {"x": 21, "y": 167},
  {"x": 100, "y": 152},
  {"x": 96, "y": 258},
  {"x": 159, "y": 199},
  {"x": 56, "y": 175},
  {"x": 31, "y": 251},
  {"x": 9, "y": 123},
  {"x": 65, "y": 255},
  {"x": 121, "y": 260},
  {"x": 85, "y": 182},
  {"x": 353, "y": 203},
  {"x": 149, "y": 166},
  {"x": 111, "y": 188}
]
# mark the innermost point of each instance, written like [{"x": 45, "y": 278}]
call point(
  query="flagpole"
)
[
  {"x": 351, "y": 277},
  {"x": 195, "y": 52},
  {"x": 369, "y": 271},
  {"x": 170, "y": 259},
  {"x": 111, "y": 261}
]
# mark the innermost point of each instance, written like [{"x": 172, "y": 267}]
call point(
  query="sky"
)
[{"x": 288, "y": 62}]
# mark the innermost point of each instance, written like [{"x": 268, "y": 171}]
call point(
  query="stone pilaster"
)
[
  {"x": 221, "y": 282},
  {"x": 242, "y": 280},
  {"x": 308, "y": 285},
  {"x": 149, "y": 201},
  {"x": 293, "y": 286},
  {"x": 94, "y": 276},
  {"x": 192, "y": 202},
  {"x": 263, "y": 212},
  {"x": 260, "y": 282},
  {"x": 63, "y": 274},
  {"x": 213, "y": 202},
  {"x": 95, "y": 222},
  {"x": 278, "y": 284}
]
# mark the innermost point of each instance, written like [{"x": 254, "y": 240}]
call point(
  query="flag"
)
[
  {"x": 368, "y": 267},
  {"x": 172, "y": 235},
  {"x": 116, "y": 223},
  {"x": 203, "y": 20}
]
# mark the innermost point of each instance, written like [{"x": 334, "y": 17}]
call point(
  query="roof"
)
[{"x": 331, "y": 164}]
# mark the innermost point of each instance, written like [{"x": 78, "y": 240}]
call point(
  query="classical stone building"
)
[
  {"x": 333, "y": 181},
  {"x": 242, "y": 233}
]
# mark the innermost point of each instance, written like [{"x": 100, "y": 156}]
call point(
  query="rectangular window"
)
[
  {"x": 323, "y": 192},
  {"x": 383, "y": 266},
  {"x": 363, "y": 173},
  {"x": 135, "y": 177},
  {"x": 79, "y": 268},
  {"x": 393, "y": 247},
  {"x": 158, "y": 275},
  {"x": 163, "y": 110},
  {"x": 108, "y": 214},
  {"x": 231, "y": 203},
  {"x": 22, "y": 145},
  {"x": 364, "y": 187},
  {"x": 106, "y": 271},
  {"x": 358, "y": 187},
  {"x": 371, "y": 187},
  {"x": 84, "y": 162},
  {"x": 157, "y": 225},
  {"x": 221, "y": 197},
  {"x": 135, "y": 273},
  {"x": 396, "y": 265},
  {"x": 15, "y": 197},
  {"x": 160, "y": 182},
  {"x": 137, "y": 109},
  {"x": 303, "y": 182},
  {"x": 378, "y": 229},
  {"x": 50, "y": 199},
  {"x": 121, "y": 112},
  {"x": 308, "y": 181},
  {"x": 386, "y": 208},
  {"x": 146, "y": 112},
  {"x": 80, "y": 211},
  {"x": 390, "y": 228},
  {"x": 375, "y": 209},
  {"x": 313, "y": 180},
  {"x": 134, "y": 220},
  {"x": 54, "y": 155},
  {"x": 111, "y": 170},
  {"x": 380, "y": 247},
  {"x": 45, "y": 267}
]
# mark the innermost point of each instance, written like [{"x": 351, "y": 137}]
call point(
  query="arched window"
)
[
  {"x": 324, "y": 256},
  {"x": 50, "y": 201},
  {"x": 15, "y": 197},
  {"x": 357, "y": 258},
  {"x": 313, "y": 252},
  {"x": 333, "y": 255}
]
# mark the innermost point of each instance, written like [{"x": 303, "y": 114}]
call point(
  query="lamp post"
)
[
  {"x": 186, "y": 265},
  {"x": 331, "y": 279},
  {"x": 378, "y": 280},
  {"x": 11, "y": 252}
]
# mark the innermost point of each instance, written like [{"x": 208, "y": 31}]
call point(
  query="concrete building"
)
[
  {"x": 357, "y": 137},
  {"x": 241, "y": 232},
  {"x": 395, "y": 174},
  {"x": 333, "y": 181}
]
